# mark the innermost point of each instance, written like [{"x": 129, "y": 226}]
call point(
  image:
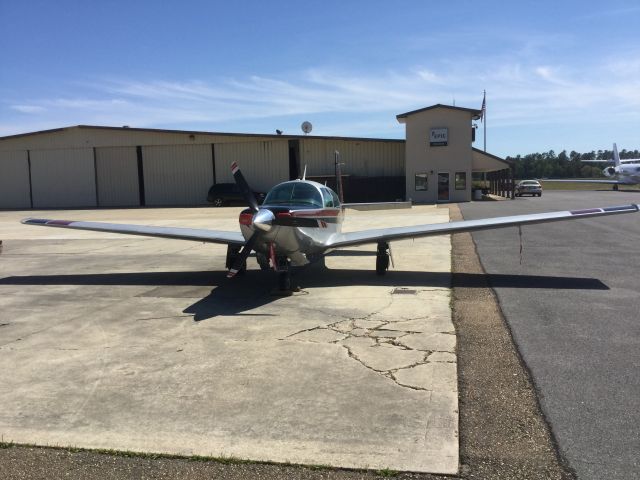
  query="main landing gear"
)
[
  {"x": 615, "y": 187},
  {"x": 382, "y": 258}
]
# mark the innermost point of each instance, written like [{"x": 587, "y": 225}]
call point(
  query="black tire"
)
[
  {"x": 284, "y": 281},
  {"x": 218, "y": 202}
]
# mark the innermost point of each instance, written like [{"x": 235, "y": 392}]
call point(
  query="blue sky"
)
[{"x": 561, "y": 74}]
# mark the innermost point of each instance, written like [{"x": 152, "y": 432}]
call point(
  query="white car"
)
[{"x": 528, "y": 187}]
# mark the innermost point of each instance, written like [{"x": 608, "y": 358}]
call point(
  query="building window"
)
[
  {"x": 461, "y": 180},
  {"x": 421, "y": 181}
]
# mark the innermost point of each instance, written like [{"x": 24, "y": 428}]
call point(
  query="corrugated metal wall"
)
[
  {"x": 264, "y": 164},
  {"x": 63, "y": 178},
  {"x": 14, "y": 180},
  {"x": 178, "y": 166},
  {"x": 362, "y": 158},
  {"x": 117, "y": 177},
  {"x": 177, "y": 174}
]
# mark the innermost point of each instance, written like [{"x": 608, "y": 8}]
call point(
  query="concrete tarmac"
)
[
  {"x": 574, "y": 318},
  {"x": 142, "y": 344}
]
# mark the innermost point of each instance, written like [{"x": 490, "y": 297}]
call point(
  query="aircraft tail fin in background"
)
[{"x": 616, "y": 157}]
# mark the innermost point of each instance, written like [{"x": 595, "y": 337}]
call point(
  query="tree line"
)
[{"x": 564, "y": 165}]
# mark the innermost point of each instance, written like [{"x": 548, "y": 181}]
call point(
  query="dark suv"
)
[{"x": 227, "y": 193}]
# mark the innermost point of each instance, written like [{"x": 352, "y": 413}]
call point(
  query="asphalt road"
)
[{"x": 578, "y": 332}]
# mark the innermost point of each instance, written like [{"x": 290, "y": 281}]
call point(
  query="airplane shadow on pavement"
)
[{"x": 254, "y": 289}]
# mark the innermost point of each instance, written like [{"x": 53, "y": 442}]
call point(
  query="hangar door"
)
[
  {"x": 63, "y": 178},
  {"x": 177, "y": 174},
  {"x": 117, "y": 177},
  {"x": 264, "y": 164},
  {"x": 14, "y": 180}
]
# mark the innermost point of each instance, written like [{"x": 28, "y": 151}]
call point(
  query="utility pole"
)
[{"x": 336, "y": 156}]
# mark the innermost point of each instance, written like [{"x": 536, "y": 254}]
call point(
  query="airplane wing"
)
[
  {"x": 608, "y": 182},
  {"x": 200, "y": 235},
  {"x": 398, "y": 233},
  {"x": 622, "y": 160}
]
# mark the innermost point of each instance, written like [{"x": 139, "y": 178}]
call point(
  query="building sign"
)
[{"x": 439, "y": 137}]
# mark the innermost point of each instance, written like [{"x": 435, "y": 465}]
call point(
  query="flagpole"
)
[{"x": 484, "y": 117}]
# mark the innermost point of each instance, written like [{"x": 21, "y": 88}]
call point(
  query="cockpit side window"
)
[
  {"x": 327, "y": 197},
  {"x": 336, "y": 200}
]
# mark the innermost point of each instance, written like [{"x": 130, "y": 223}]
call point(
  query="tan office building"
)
[{"x": 439, "y": 154}]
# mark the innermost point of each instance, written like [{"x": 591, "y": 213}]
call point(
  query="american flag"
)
[{"x": 483, "y": 109}]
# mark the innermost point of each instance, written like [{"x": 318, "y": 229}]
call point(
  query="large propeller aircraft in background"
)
[
  {"x": 300, "y": 221},
  {"x": 622, "y": 172}
]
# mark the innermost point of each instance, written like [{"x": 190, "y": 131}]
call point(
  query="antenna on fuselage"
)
[{"x": 304, "y": 174}]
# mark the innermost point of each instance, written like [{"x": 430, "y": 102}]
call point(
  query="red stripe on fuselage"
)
[
  {"x": 59, "y": 222},
  {"x": 321, "y": 213}
]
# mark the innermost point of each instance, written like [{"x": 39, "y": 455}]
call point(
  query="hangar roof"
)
[
  {"x": 158, "y": 130},
  {"x": 401, "y": 117}
]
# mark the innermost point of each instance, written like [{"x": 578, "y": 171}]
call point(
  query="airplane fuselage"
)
[
  {"x": 625, "y": 173},
  {"x": 301, "y": 228}
]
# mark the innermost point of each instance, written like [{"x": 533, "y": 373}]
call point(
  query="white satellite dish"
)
[{"x": 306, "y": 127}]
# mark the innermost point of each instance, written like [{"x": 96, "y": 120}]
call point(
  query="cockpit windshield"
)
[{"x": 294, "y": 193}]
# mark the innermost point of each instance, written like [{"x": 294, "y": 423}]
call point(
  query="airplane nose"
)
[{"x": 263, "y": 219}]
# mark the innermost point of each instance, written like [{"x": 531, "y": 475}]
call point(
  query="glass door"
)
[{"x": 443, "y": 187}]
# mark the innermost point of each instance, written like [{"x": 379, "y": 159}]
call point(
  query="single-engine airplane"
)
[
  {"x": 623, "y": 172},
  {"x": 300, "y": 221}
]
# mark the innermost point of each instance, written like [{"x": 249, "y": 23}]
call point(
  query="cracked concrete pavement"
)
[{"x": 142, "y": 344}]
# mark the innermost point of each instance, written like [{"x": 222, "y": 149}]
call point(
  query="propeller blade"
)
[
  {"x": 244, "y": 187},
  {"x": 240, "y": 260}
]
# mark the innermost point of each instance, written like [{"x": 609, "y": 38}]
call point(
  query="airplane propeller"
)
[
  {"x": 250, "y": 198},
  {"x": 241, "y": 258},
  {"x": 244, "y": 187}
]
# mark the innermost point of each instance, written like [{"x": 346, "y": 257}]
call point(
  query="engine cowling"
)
[{"x": 609, "y": 171}]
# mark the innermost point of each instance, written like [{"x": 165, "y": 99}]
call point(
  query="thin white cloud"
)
[
  {"x": 519, "y": 92},
  {"x": 28, "y": 108}
]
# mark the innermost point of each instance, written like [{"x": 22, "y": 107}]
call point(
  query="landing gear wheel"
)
[
  {"x": 284, "y": 281},
  {"x": 284, "y": 277},
  {"x": 382, "y": 258},
  {"x": 615, "y": 187}
]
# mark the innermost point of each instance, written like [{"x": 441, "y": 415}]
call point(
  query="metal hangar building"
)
[{"x": 92, "y": 166}]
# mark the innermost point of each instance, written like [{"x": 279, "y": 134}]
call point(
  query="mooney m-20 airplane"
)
[
  {"x": 300, "y": 221},
  {"x": 622, "y": 172}
]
